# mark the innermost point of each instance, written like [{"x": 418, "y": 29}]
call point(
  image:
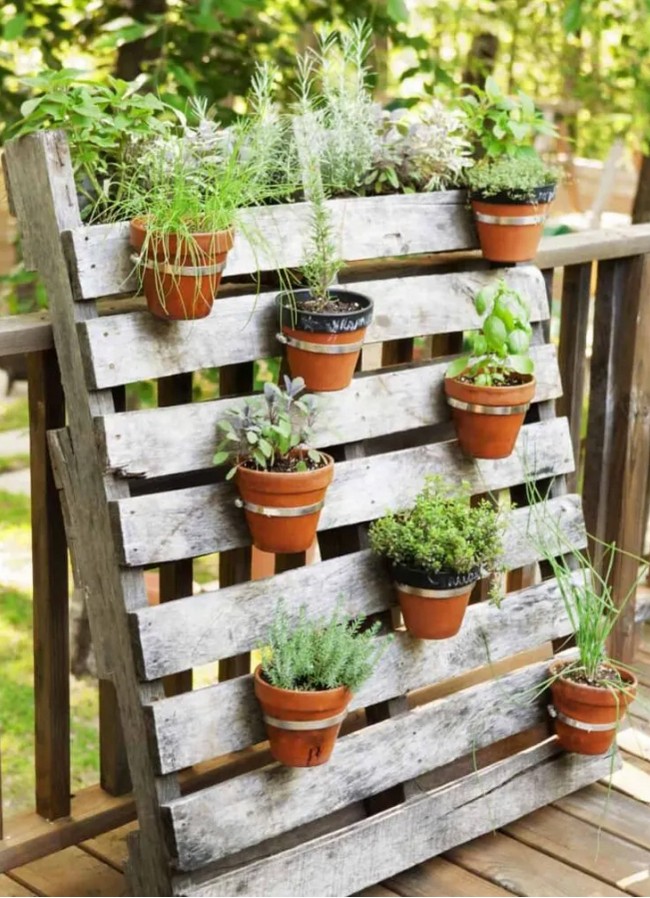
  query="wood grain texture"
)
[
  {"x": 135, "y": 346},
  {"x": 12, "y": 889},
  {"x": 230, "y": 715},
  {"x": 50, "y": 586},
  {"x": 200, "y": 520},
  {"x": 233, "y": 815},
  {"x": 190, "y": 632},
  {"x": 44, "y": 197},
  {"x": 154, "y": 442},
  {"x": 585, "y": 846},
  {"x": 67, "y": 873},
  {"x": 382, "y": 845},
  {"x": 523, "y": 870},
  {"x": 602, "y": 243},
  {"x": 273, "y": 237},
  {"x": 30, "y": 332},
  {"x": 439, "y": 877},
  {"x": 613, "y": 812}
]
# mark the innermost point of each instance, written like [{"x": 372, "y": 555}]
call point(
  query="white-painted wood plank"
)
[
  {"x": 196, "y": 521},
  {"x": 230, "y": 816},
  {"x": 200, "y": 629},
  {"x": 136, "y": 346},
  {"x": 359, "y": 855},
  {"x": 154, "y": 442},
  {"x": 365, "y": 228},
  {"x": 230, "y": 715}
]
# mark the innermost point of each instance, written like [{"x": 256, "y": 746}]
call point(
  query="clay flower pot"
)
[
  {"x": 509, "y": 230},
  {"x": 180, "y": 277},
  {"x": 302, "y": 726},
  {"x": 323, "y": 347},
  {"x": 488, "y": 419},
  {"x": 586, "y": 717},
  {"x": 433, "y": 604},
  {"x": 282, "y": 509}
]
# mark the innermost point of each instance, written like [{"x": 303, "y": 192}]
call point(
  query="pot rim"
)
[
  {"x": 293, "y": 475},
  {"x": 367, "y": 303},
  {"x": 528, "y": 380},
  {"x": 514, "y": 196},
  {"x": 139, "y": 224},
  {"x": 469, "y": 578},
  {"x": 338, "y": 691},
  {"x": 589, "y": 690}
]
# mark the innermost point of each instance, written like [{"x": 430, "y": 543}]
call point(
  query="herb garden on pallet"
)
[{"x": 430, "y": 753}]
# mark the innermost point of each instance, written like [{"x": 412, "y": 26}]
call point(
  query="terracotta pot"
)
[
  {"x": 488, "y": 419},
  {"x": 590, "y": 705},
  {"x": 306, "y": 747},
  {"x": 274, "y": 531},
  {"x": 433, "y": 605},
  {"x": 170, "y": 293},
  {"x": 316, "y": 341},
  {"x": 509, "y": 230}
]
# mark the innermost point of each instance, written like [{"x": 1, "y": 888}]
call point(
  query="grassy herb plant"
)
[
  {"x": 313, "y": 655},
  {"x": 517, "y": 176},
  {"x": 502, "y": 125},
  {"x": 501, "y": 346},
  {"x": 442, "y": 532},
  {"x": 586, "y": 593},
  {"x": 271, "y": 431}
]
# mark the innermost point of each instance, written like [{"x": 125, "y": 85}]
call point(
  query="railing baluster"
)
[{"x": 50, "y": 579}]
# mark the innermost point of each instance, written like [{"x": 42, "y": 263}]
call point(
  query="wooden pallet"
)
[{"x": 432, "y": 754}]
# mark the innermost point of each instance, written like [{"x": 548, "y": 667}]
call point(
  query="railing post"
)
[
  {"x": 618, "y": 445},
  {"x": 50, "y": 580}
]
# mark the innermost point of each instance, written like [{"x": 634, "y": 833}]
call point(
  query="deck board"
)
[{"x": 70, "y": 872}]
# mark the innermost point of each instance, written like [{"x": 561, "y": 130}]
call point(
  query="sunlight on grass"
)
[
  {"x": 15, "y": 518},
  {"x": 15, "y": 416},
  {"x": 13, "y": 463}
]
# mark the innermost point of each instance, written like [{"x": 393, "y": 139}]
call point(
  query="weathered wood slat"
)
[
  {"x": 190, "y": 632},
  {"x": 365, "y": 228},
  {"x": 230, "y": 715},
  {"x": 154, "y": 442},
  {"x": 135, "y": 346},
  {"x": 200, "y": 520},
  {"x": 230, "y": 816},
  {"x": 347, "y": 860}
]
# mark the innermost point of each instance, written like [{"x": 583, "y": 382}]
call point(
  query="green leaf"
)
[
  {"x": 495, "y": 332},
  {"x": 15, "y": 27},
  {"x": 457, "y": 366},
  {"x": 522, "y": 364},
  {"x": 572, "y": 19},
  {"x": 29, "y": 106},
  {"x": 483, "y": 299},
  {"x": 252, "y": 437},
  {"x": 266, "y": 447},
  {"x": 520, "y": 130},
  {"x": 220, "y": 458},
  {"x": 397, "y": 10},
  {"x": 492, "y": 89},
  {"x": 231, "y": 473},
  {"x": 518, "y": 342}
]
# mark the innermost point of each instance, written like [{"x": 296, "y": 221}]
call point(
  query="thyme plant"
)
[
  {"x": 442, "y": 532},
  {"x": 265, "y": 431},
  {"x": 501, "y": 346},
  {"x": 313, "y": 655},
  {"x": 517, "y": 176}
]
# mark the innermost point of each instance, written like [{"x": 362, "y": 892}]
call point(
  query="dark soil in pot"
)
[
  {"x": 433, "y": 604},
  {"x": 323, "y": 346},
  {"x": 488, "y": 419}
]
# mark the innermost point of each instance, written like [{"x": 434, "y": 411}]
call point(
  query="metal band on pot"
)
[
  {"x": 580, "y": 724},
  {"x": 268, "y": 511},
  {"x": 434, "y": 593},
  {"x": 182, "y": 270},
  {"x": 510, "y": 220},
  {"x": 322, "y": 348},
  {"x": 305, "y": 724},
  {"x": 488, "y": 409}
]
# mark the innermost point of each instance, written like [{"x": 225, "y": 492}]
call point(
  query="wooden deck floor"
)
[{"x": 595, "y": 842}]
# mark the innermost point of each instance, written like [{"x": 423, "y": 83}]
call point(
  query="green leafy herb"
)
[
  {"x": 501, "y": 346},
  {"x": 518, "y": 177},
  {"x": 311, "y": 655}
]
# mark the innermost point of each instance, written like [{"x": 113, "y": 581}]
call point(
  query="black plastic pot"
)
[{"x": 323, "y": 347}]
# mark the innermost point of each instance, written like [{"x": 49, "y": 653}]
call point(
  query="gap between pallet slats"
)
[
  {"x": 200, "y": 520},
  {"x": 345, "y": 861},
  {"x": 136, "y": 346},
  {"x": 155, "y": 443},
  {"x": 225, "y": 818},
  {"x": 364, "y": 228},
  {"x": 231, "y": 719}
]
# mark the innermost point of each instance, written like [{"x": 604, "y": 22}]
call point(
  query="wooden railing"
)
[{"x": 613, "y": 391}]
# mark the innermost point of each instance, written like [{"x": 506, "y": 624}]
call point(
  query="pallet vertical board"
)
[{"x": 141, "y": 485}]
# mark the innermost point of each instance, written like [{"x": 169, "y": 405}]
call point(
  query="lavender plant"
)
[{"x": 265, "y": 431}]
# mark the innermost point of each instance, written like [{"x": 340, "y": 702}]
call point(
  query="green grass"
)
[
  {"x": 15, "y": 416},
  {"x": 15, "y": 517},
  {"x": 13, "y": 462}
]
